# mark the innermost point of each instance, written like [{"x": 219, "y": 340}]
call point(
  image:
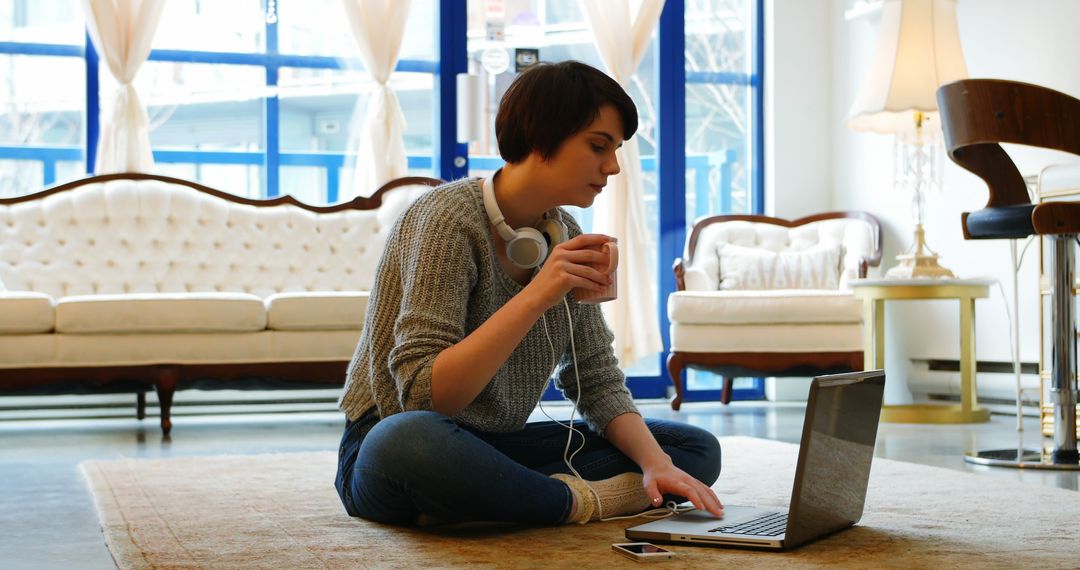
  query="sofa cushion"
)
[
  {"x": 127, "y": 349},
  {"x": 817, "y": 267},
  {"x": 160, "y": 312},
  {"x": 152, "y": 236},
  {"x": 316, "y": 310},
  {"x": 855, "y": 236},
  {"x": 23, "y": 312},
  {"x": 10, "y": 280},
  {"x": 307, "y": 346},
  {"x": 810, "y": 337},
  {"x": 764, "y": 307},
  {"x": 27, "y": 350}
]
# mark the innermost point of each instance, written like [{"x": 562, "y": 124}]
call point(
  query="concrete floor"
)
[{"x": 47, "y": 516}]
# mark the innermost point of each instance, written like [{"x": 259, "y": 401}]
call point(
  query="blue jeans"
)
[{"x": 422, "y": 462}]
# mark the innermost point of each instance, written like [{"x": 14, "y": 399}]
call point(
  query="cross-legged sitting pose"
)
[{"x": 473, "y": 311}]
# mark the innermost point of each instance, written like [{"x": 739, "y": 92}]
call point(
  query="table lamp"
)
[{"x": 918, "y": 50}]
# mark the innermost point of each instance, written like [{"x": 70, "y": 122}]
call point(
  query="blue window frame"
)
[
  {"x": 673, "y": 160},
  {"x": 449, "y": 159}
]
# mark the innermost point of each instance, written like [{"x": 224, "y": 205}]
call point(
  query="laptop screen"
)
[{"x": 838, "y": 446}]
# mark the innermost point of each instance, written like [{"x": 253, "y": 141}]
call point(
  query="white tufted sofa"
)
[
  {"x": 137, "y": 280},
  {"x": 763, "y": 296}
]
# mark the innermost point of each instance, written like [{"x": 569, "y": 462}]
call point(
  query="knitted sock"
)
[{"x": 618, "y": 496}]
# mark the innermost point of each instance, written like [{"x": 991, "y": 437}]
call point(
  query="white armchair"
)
[{"x": 763, "y": 296}]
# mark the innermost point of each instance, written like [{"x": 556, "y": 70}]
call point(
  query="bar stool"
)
[{"x": 977, "y": 115}]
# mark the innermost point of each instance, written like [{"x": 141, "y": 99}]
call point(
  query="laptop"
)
[{"x": 831, "y": 476}]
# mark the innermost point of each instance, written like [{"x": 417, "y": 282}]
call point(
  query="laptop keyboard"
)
[{"x": 769, "y": 524}]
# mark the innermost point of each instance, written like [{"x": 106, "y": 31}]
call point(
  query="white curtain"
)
[
  {"x": 620, "y": 210},
  {"x": 121, "y": 31},
  {"x": 377, "y": 135}
]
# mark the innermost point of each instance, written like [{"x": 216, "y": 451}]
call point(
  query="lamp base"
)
[
  {"x": 913, "y": 266},
  {"x": 920, "y": 262}
]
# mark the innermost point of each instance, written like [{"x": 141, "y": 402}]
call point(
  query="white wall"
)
[
  {"x": 798, "y": 125},
  {"x": 798, "y": 118},
  {"x": 1034, "y": 41}
]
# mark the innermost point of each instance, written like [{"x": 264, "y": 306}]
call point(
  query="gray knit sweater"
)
[{"x": 437, "y": 281}]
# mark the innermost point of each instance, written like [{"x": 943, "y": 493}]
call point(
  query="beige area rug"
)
[{"x": 281, "y": 511}]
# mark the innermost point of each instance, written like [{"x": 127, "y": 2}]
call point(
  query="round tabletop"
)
[{"x": 973, "y": 288}]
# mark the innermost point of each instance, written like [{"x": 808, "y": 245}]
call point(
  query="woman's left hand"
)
[{"x": 666, "y": 478}]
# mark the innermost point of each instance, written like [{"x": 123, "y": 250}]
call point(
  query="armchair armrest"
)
[{"x": 680, "y": 274}]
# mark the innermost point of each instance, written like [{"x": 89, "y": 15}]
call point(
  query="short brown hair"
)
[{"x": 550, "y": 102}]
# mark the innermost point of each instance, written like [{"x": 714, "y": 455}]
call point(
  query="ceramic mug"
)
[{"x": 610, "y": 292}]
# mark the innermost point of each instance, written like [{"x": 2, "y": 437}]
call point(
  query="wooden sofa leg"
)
[
  {"x": 140, "y": 405},
  {"x": 675, "y": 368},
  {"x": 725, "y": 392},
  {"x": 166, "y": 386}
]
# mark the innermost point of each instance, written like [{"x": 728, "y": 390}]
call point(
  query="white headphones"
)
[{"x": 525, "y": 247}]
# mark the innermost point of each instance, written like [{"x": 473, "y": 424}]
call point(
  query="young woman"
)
[{"x": 463, "y": 331}]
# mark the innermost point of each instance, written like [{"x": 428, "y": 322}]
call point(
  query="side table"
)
[{"x": 874, "y": 293}]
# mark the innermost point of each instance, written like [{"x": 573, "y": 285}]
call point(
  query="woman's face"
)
[{"x": 580, "y": 167}]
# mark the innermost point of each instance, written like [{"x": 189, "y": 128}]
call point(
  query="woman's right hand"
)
[{"x": 570, "y": 265}]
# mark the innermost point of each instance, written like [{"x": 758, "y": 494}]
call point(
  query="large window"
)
[
  {"x": 555, "y": 30},
  {"x": 720, "y": 89},
  {"x": 42, "y": 94},
  {"x": 259, "y": 102},
  {"x": 723, "y": 86}
]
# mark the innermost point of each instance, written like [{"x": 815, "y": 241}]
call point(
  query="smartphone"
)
[{"x": 643, "y": 551}]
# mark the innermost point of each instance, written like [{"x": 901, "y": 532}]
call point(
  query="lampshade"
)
[{"x": 918, "y": 50}]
